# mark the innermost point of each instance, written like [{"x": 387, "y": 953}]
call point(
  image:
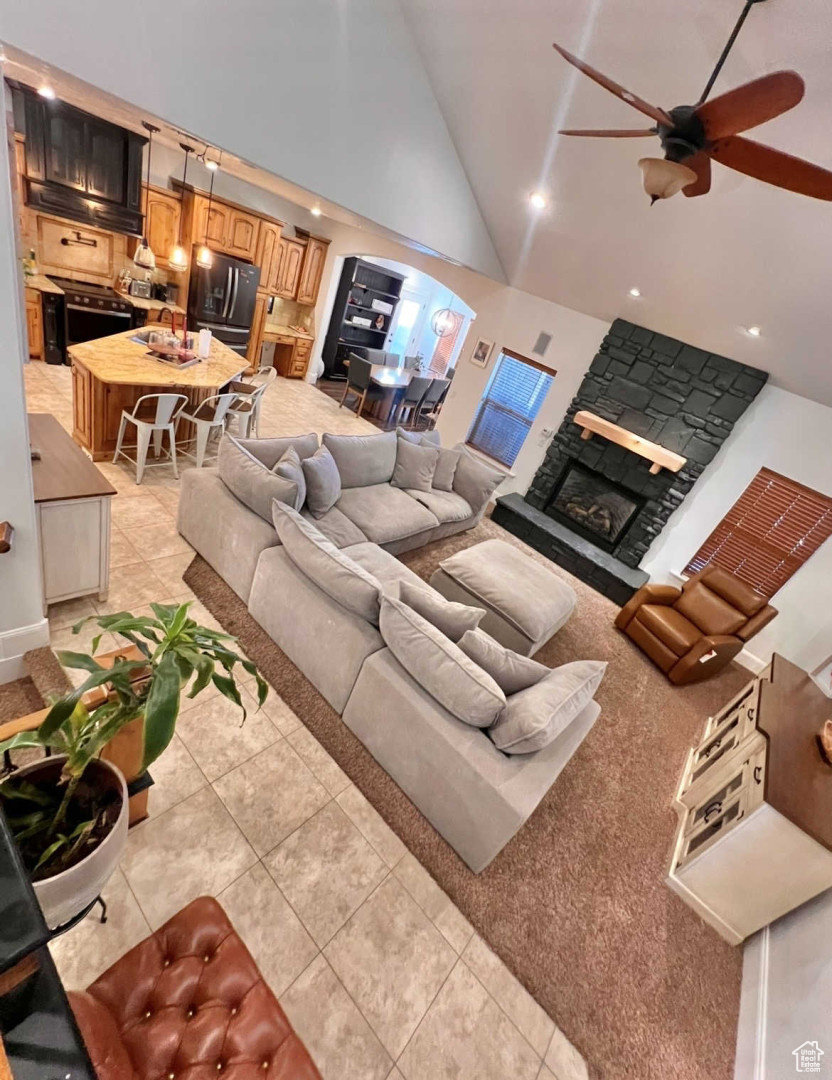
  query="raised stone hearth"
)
[{"x": 683, "y": 398}]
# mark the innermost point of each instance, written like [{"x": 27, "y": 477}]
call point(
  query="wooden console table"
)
[
  {"x": 754, "y": 838},
  {"x": 72, "y": 502}
]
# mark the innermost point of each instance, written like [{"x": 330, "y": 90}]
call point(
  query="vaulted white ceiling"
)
[{"x": 742, "y": 255}]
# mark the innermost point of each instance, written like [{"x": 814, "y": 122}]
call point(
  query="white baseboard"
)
[
  {"x": 750, "y": 1062},
  {"x": 15, "y": 643},
  {"x": 748, "y": 660}
]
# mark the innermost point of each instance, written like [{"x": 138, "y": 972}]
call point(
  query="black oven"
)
[{"x": 93, "y": 311}]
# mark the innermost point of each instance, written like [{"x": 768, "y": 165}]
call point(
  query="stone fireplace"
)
[{"x": 594, "y": 506}]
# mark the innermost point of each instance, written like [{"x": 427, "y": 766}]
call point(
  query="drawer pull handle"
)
[
  {"x": 758, "y": 774},
  {"x": 712, "y": 810},
  {"x": 751, "y": 714}
]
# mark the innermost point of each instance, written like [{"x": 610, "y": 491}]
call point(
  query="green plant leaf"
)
[
  {"x": 262, "y": 685},
  {"x": 23, "y": 740},
  {"x": 161, "y": 709},
  {"x": 204, "y": 666},
  {"x": 76, "y": 629},
  {"x": 179, "y": 619},
  {"x": 96, "y": 641},
  {"x": 54, "y": 847},
  {"x": 24, "y": 789},
  {"x": 63, "y": 709},
  {"x": 78, "y": 660},
  {"x": 165, "y": 613},
  {"x": 228, "y": 687}
]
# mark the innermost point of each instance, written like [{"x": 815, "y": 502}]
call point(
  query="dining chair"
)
[
  {"x": 260, "y": 381},
  {"x": 412, "y": 397},
  {"x": 436, "y": 391},
  {"x": 208, "y": 418},
  {"x": 437, "y": 408},
  {"x": 153, "y": 415},
  {"x": 359, "y": 381}
]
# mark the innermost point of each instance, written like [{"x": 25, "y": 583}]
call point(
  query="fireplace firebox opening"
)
[{"x": 593, "y": 506}]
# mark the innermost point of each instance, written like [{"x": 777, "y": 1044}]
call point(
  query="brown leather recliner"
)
[
  {"x": 189, "y": 1002},
  {"x": 712, "y": 616}
]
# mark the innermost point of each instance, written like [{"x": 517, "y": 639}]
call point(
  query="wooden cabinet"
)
[
  {"x": 161, "y": 224},
  {"x": 80, "y": 166},
  {"x": 34, "y": 324},
  {"x": 255, "y": 340},
  {"x": 291, "y": 355},
  {"x": 267, "y": 254},
  {"x": 312, "y": 271},
  {"x": 214, "y": 226},
  {"x": 241, "y": 238},
  {"x": 81, "y": 406},
  {"x": 290, "y": 256}
]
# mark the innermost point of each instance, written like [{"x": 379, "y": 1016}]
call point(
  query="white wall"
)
[
  {"x": 331, "y": 95},
  {"x": 22, "y": 626},
  {"x": 792, "y": 436}
]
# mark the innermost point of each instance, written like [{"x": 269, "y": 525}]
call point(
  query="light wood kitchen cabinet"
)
[
  {"x": 241, "y": 239},
  {"x": 161, "y": 226},
  {"x": 34, "y": 324},
  {"x": 82, "y": 406},
  {"x": 312, "y": 270},
  {"x": 291, "y": 262},
  {"x": 267, "y": 254},
  {"x": 255, "y": 340},
  {"x": 215, "y": 228},
  {"x": 291, "y": 355}
]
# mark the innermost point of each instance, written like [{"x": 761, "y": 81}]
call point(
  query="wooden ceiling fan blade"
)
[
  {"x": 701, "y": 165},
  {"x": 751, "y": 104},
  {"x": 657, "y": 114},
  {"x": 773, "y": 166},
  {"x": 612, "y": 133}
]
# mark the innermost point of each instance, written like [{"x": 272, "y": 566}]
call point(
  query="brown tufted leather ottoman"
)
[{"x": 189, "y": 1003}]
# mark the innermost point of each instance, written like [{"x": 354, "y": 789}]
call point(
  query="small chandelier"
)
[
  {"x": 178, "y": 258},
  {"x": 443, "y": 322},
  {"x": 662, "y": 178},
  {"x": 143, "y": 255}
]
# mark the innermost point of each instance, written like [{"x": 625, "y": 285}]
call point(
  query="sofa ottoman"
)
[{"x": 525, "y": 603}]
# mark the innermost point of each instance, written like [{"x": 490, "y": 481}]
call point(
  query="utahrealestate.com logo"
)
[{"x": 807, "y": 1057}]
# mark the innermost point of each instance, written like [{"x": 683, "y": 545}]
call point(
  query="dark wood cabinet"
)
[
  {"x": 362, "y": 315},
  {"x": 79, "y": 166}
]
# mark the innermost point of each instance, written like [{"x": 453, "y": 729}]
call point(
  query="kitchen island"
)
[{"x": 110, "y": 374}]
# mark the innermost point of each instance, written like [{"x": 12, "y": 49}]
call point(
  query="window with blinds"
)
[
  {"x": 511, "y": 401},
  {"x": 769, "y": 533}
]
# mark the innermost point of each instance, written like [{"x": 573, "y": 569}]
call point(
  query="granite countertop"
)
[
  {"x": 42, "y": 283},
  {"x": 117, "y": 359},
  {"x": 283, "y": 331},
  {"x": 151, "y": 305}
]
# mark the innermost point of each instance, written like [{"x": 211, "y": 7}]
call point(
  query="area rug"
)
[
  {"x": 575, "y": 904},
  {"x": 19, "y": 698}
]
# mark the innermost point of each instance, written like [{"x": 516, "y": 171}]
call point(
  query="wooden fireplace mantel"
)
[{"x": 660, "y": 457}]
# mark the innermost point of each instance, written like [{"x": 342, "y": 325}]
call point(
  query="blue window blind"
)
[{"x": 511, "y": 402}]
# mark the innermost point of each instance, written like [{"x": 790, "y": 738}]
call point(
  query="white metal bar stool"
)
[
  {"x": 155, "y": 418},
  {"x": 246, "y": 409},
  {"x": 208, "y": 418}
]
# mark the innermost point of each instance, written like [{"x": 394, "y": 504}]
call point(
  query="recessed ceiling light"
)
[
  {"x": 754, "y": 331},
  {"x": 635, "y": 292},
  {"x": 46, "y": 92},
  {"x": 538, "y": 200},
  {"x": 315, "y": 211}
]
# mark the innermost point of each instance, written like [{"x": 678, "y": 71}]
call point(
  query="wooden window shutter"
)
[
  {"x": 769, "y": 532},
  {"x": 444, "y": 347}
]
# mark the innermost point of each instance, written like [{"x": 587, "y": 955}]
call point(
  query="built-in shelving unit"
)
[{"x": 365, "y": 291}]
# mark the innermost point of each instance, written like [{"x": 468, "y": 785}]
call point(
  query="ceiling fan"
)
[{"x": 693, "y": 134}]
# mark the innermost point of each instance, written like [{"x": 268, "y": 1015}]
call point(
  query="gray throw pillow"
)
[
  {"x": 250, "y": 481},
  {"x": 420, "y": 438},
  {"x": 535, "y": 717},
  {"x": 363, "y": 460},
  {"x": 290, "y": 468},
  {"x": 323, "y": 482},
  {"x": 451, "y": 618},
  {"x": 509, "y": 670},
  {"x": 443, "y": 478},
  {"x": 330, "y": 569},
  {"x": 415, "y": 466},
  {"x": 439, "y": 666},
  {"x": 270, "y": 451},
  {"x": 474, "y": 480}
]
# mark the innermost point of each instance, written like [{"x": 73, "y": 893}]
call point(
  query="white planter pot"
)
[{"x": 65, "y": 895}]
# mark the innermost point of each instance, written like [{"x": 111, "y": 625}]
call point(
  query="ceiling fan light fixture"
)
[
  {"x": 662, "y": 178},
  {"x": 754, "y": 331},
  {"x": 635, "y": 292}
]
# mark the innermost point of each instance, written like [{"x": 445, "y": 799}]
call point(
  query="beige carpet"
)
[
  {"x": 575, "y": 904},
  {"x": 19, "y": 698}
]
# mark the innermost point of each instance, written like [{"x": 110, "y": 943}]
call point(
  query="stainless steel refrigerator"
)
[{"x": 222, "y": 299}]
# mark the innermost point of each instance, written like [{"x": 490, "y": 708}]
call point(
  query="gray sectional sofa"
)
[{"x": 474, "y": 794}]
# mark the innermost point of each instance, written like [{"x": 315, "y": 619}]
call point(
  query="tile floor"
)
[{"x": 379, "y": 972}]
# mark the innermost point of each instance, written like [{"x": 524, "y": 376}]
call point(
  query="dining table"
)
[{"x": 392, "y": 380}]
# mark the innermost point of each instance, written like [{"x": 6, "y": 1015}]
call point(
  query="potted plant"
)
[{"x": 68, "y": 812}]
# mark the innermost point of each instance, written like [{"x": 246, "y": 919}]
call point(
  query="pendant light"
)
[
  {"x": 178, "y": 258},
  {"x": 143, "y": 255},
  {"x": 443, "y": 322},
  {"x": 205, "y": 257}
]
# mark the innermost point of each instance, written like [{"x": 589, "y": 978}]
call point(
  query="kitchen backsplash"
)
[{"x": 290, "y": 313}]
